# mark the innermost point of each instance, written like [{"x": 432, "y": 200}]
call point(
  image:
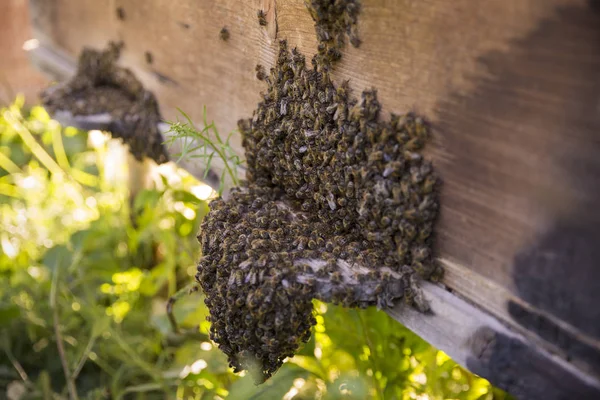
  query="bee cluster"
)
[
  {"x": 334, "y": 20},
  {"x": 101, "y": 87},
  {"x": 337, "y": 206}
]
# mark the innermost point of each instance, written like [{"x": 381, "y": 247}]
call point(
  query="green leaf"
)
[
  {"x": 146, "y": 198},
  {"x": 164, "y": 180},
  {"x": 185, "y": 196},
  {"x": 310, "y": 364},
  {"x": 207, "y": 168}
]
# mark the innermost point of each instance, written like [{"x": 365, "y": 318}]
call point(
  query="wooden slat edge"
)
[
  {"x": 482, "y": 344},
  {"x": 495, "y": 299}
]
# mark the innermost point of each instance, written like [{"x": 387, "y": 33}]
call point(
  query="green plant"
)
[{"x": 205, "y": 143}]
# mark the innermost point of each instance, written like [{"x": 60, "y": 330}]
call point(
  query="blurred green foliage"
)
[{"x": 86, "y": 269}]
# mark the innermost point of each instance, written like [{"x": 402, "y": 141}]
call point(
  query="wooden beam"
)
[{"x": 486, "y": 347}]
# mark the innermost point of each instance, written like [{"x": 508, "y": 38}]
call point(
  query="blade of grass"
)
[
  {"x": 208, "y": 165},
  {"x": 59, "y": 149},
  {"x": 37, "y": 150},
  {"x": 373, "y": 357},
  {"x": 8, "y": 165},
  {"x": 17, "y": 366},
  {"x": 59, "y": 340},
  {"x": 9, "y": 190}
]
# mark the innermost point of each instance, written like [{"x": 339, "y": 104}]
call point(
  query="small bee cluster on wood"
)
[
  {"x": 337, "y": 206},
  {"x": 102, "y": 87},
  {"x": 334, "y": 20}
]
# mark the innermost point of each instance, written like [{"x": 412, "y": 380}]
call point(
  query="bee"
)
[
  {"x": 336, "y": 277},
  {"x": 230, "y": 301},
  {"x": 239, "y": 302},
  {"x": 385, "y": 221},
  {"x": 224, "y": 34},
  {"x": 252, "y": 301},
  {"x": 373, "y": 236},
  {"x": 306, "y": 289},
  {"x": 420, "y": 253},
  {"x": 410, "y": 214},
  {"x": 304, "y": 269},
  {"x": 262, "y": 19},
  {"x": 262, "y": 221},
  {"x": 300, "y": 243},
  {"x": 260, "y": 73},
  {"x": 236, "y": 278},
  {"x": 429, "y": 183},
  {"x": 330, "y": 265},
  {"x": 310, "y": 282},
  {"x": 424, "y": 233}
]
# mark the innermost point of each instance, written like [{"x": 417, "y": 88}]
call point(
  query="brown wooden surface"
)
[
  {"x": 17, "y": 76},
  {"x": 512, "y": 88}
]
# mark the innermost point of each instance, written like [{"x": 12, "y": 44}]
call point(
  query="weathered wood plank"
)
[
  {"x": 482, "y": 344},
  {"x": 16, "y": 75}
]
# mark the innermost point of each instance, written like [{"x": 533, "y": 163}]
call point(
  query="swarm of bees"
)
[
  {"x": 100, "y": 86},
  {"x": 334, "y": 20},
  {"x": 337, "y": 206}
]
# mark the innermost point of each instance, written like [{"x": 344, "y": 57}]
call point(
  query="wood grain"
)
[{"x": 512, "y": 90}]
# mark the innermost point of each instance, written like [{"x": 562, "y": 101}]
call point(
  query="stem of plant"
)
[
  {"x": 59, "y": 340},
  {"x": 188, "y": 289}
]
